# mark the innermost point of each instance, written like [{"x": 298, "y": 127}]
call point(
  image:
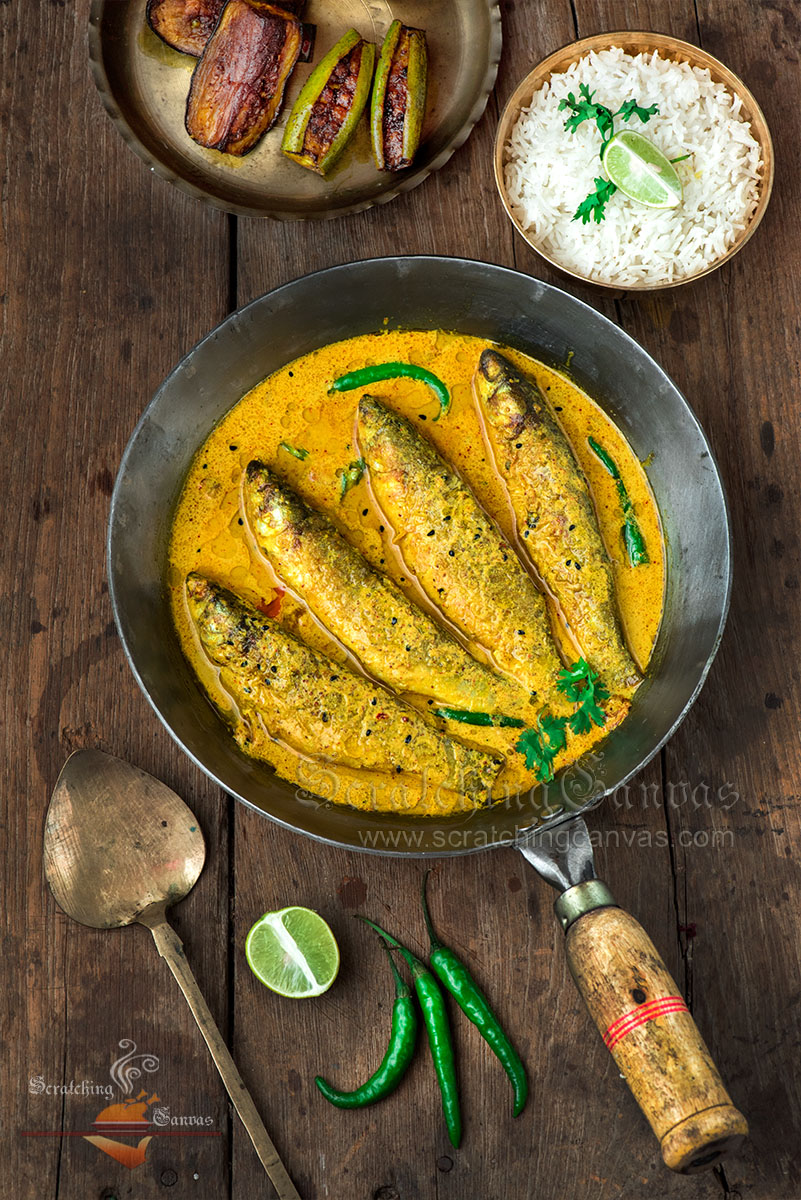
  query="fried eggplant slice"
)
[
  {"x": 186, "y": 25},
  {"x": 238, "y": 84},
  {"x": 286, "y": 691},
  {"x": 399, "y": 97},
  {"x": 555, "y": 515},
  {"x": 455, "y": 551},
  {"x": 392, "y": 638},
  {"x": 330, "y": 104}
]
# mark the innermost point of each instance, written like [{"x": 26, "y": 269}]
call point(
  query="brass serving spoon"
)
[{"x": 119, "y": 847}]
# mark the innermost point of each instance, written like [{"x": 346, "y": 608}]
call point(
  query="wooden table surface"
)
[{"x": 108, "y": 275}]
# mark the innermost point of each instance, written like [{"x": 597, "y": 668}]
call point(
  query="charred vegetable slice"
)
[
  {"x": 186, "y": 25},
  {"x": 399, "y": 97},
  {"x": 328, "y": 108},
  {"x": 238, "y": 84}
]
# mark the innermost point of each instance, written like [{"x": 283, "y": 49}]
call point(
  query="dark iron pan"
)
[{"x": 659, "y": 1048}]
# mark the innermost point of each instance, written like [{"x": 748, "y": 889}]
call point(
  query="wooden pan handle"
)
[
  {"x": 171, "y": 949},
  {"x": 650, "y": 1034}
]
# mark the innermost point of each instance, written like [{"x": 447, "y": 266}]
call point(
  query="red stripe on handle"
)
[
  {"x": 640, "y": 1016},
  {"x": 636, "y": 1012}
]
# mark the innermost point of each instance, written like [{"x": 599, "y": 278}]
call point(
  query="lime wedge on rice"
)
[
  {"x": 293, "y": 952},
  {"x": 640, "y": 170}
]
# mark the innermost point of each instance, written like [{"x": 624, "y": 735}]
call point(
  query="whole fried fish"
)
[
  {"x": 458, "y": 556},
  {"x": 393, "y": 639},
  {"x": 555, "y": 515},
  {"x": 286, "y": 691}
]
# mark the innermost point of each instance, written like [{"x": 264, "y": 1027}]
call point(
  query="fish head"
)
[
  {"x": 269, "y": 506},
  {"x": 208, "y": 607},
  {"x": 198, "y": 589},
  {"x": 501, "y": 391},
  {"x": 224, "y": 622},
  {"x": 383, "y": 438}
]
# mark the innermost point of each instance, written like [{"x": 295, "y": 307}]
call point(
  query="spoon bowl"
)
[{"x": 117, "y": 842}]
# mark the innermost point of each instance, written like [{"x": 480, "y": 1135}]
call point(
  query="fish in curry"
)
[
  {"x": 555, "y": 516},
  {"x": 392, "y": 638},
  {"x": 311, "y": 590},
  {"x": 284, "y": 689},
  {"x": 454, "y": 550}
]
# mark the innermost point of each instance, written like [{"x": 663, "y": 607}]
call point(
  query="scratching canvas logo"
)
[
  {"x": 128, "y": 1117},
  {"x": 137, "y": 1115}
]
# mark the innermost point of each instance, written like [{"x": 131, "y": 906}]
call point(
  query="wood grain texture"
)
[
  {"x": 95, "y": 285},
  {"x": 107, "y": 276}
]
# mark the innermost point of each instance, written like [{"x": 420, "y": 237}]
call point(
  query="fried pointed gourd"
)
[
  {"x": 330, "y": 104},
  {"x": 399, "y": 97},
  {"x": 285, "y": 690},
  {"x": 238, "y": 84},
  {"x": 555, "y": 515},
  {"x": 393, "y": 639},
  {"x": 457, "y": 554}
]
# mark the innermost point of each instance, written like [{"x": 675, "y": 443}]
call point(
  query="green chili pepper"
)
[
  {"x": 331, "y": 102},
  {"x": 295, "y": 451},
  {"x": 632, "y": 535},
  {"x": 497, "y": 720},
  {"x": 462, "y": 986},
  {"x": 399, "y": 1053},
  {"x": 394, "y": 370},
  {"x": 435, "y": 1016}
]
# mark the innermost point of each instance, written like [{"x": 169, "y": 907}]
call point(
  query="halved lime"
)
[
  {"x": 638, "y": 168},
  {"x": 293, "y": 952}
]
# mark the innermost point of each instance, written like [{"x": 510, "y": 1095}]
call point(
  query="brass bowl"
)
[
  {"x": 635, "y": 43},
  {"x": 143, "y": 86}
]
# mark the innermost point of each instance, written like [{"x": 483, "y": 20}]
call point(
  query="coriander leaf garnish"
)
[
  {"x": 539, "y": 754},
  {"x": 581, "y": 685},
  {"x": 631, "y": 109},
  {"x": 593, "y": 207},
  {"x": 295, "y": 451},
  {"x": 585, "y": 110}
]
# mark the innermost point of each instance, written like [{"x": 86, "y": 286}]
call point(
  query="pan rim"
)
[{"x": 241, "y": 315}]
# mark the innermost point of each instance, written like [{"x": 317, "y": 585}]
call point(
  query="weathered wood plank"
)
[
  {"x": 98, "y": 301},
  {"x": 731, "y": 773}
]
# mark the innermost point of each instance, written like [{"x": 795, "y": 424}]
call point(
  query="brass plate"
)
[
  {"x": 634, "y": 43},
  {"x": 144, "y": 84}
]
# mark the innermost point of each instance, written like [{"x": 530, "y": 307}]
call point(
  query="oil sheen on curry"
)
[{"x": 417, "y": 572}]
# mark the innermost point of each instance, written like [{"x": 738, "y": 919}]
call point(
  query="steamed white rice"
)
[{"x": 549, "y": 171}]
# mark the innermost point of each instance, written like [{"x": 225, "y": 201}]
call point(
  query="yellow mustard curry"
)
[{"x": 300, "y": 490}]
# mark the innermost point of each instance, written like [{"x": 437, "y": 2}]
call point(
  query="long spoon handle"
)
[{"x": 170, "y": 948}]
